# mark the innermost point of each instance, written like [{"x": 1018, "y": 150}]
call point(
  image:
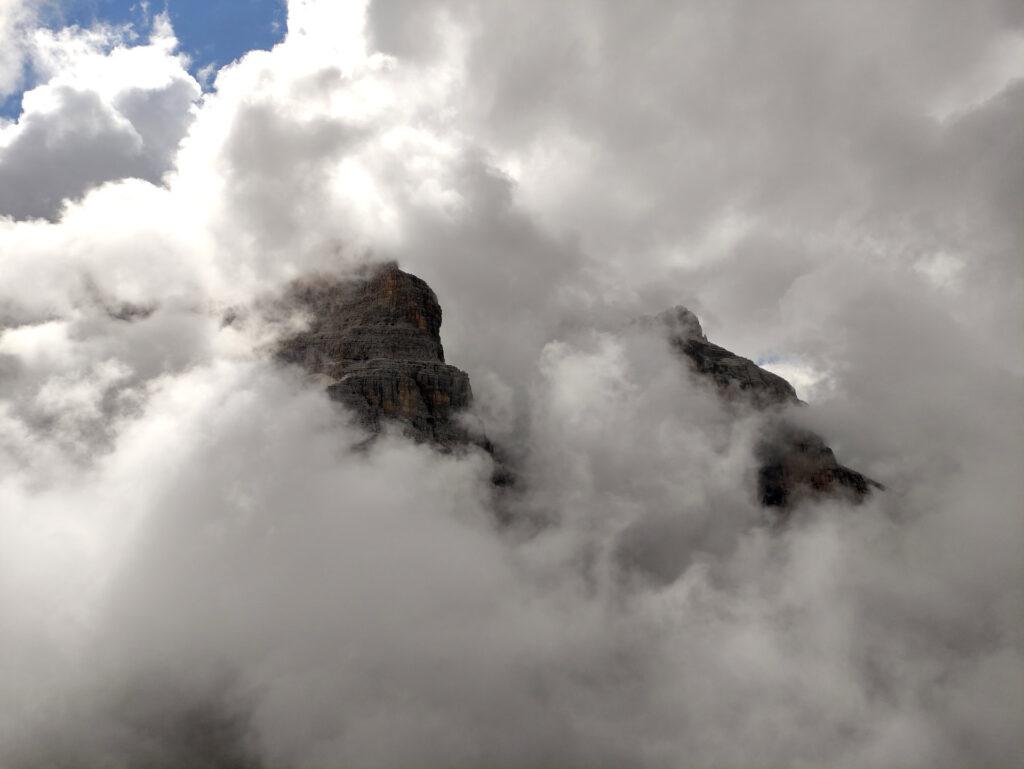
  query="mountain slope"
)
[{"x": 794, "y": 462}]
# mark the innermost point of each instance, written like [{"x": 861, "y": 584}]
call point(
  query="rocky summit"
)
[
  {"x": 734, "y": 377},
  {"x": 794, "y": 462},
  {"x": 375, "y": 340}
]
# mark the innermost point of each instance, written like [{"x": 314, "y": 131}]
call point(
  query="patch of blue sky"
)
[{"x": 211, "y": 32}]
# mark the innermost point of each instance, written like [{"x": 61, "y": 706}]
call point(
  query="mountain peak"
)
[
  {"x": 380, "y": 312},
  {"x": 375, "y": 337},
  {"x": 794, "y": 462},
  {"x": 681, "y": 323}
]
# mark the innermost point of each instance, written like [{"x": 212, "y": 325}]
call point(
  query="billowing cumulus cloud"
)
[
  {"x": 107, "y": 110},
  {"x": 198, "y": 564}
]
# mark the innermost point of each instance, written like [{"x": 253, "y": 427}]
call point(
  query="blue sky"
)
[{"x": 209, "y": 31}]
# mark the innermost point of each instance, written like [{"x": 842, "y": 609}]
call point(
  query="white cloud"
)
[
  {"x": 16, "y": 18},
  {"x": 106, "y": 110}
]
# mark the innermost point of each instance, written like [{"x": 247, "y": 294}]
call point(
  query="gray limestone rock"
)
[
  {"x": 795, "y": 462},
  {"x": 423, "y": 395},
  {"x": 375, "y": 340},
  {"x": 380, "y": 314},
  {"x": 737, "y": 377}
]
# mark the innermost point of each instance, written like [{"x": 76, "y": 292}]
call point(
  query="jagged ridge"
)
[
  {"x": 375, "y": 339},
  {"x": 794, "y": 461}
]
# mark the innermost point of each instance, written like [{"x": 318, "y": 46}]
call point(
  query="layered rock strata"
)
[{"x": 375, "y": 340}]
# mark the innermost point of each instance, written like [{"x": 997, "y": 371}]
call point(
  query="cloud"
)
[
  {"x": 106, "y": 111},
  {"x": 197, "y": 567},
  {"x": 16, "y": 17}
]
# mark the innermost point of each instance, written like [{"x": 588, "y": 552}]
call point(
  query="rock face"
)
[
  {"x": 795, "y": 462},
  {"x": 376, "y": 340},
  {"x": 735, "y": 377}
]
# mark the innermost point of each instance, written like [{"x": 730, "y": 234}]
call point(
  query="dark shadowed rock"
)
[
  {"x": 375, "y": 339},
  {"x": 422, "y": 394},
  {"x": 795, "y": 462}
]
